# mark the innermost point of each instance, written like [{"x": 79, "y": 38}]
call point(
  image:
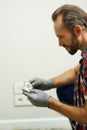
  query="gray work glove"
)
[
  {"x": 37, "y": 97},
  {"x": 41, "y": 84}
]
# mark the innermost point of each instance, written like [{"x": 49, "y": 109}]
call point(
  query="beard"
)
[{"x": 74, "y": 45}]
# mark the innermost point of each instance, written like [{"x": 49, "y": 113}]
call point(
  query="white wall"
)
[{"x": 29, "y": 48}]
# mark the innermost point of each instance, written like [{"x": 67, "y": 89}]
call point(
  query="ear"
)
[{"x": 77, "y": 30}]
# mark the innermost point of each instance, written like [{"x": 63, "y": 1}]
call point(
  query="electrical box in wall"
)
[
  {"x": 18, "y": 87},
  {"x": 20, "y": 99}
]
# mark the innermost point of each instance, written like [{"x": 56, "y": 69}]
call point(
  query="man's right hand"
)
[{"x": 41, "y": 84}]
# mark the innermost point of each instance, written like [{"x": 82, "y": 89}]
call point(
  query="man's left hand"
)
[{"x": 37, "y": 97}]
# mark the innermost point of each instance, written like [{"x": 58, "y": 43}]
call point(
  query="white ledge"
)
[{"x": 60, "y": 122}]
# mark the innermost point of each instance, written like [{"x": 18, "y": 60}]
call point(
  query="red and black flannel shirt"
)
[{"x": 80, "y": 90}]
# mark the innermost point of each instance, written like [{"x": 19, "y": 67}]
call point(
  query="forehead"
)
[
  {"x": 59, "y": 26},
  {"x": 58, "y": 20}
]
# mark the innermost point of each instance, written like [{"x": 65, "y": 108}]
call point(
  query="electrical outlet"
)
[
  {"x": 21, "y": 100},
  {"x": 18, "y": 87}
]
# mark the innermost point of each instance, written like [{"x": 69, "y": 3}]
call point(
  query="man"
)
[{"x": 70, "y": 26}]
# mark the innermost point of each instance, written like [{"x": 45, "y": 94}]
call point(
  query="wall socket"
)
[
  {"x": 19, "y": 98},
  {"x": 18, "y": 87}
]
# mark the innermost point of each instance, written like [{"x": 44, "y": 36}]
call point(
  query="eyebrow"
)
[{"x": 59, "y": 35}]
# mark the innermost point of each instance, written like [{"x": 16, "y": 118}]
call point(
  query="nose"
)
[{"x": 60, "y": 42}]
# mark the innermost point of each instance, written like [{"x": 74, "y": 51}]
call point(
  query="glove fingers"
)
[
  {"x": 35, "y": 85},
  {"x": 31, "y": 91},
  {"x": 35, "y": 82},
  {"x": 24, "y": 90},
  {"x": 35, "y": 91},
  {"x": 32, "y": 80},
  {"x": 28, "y": 95}
]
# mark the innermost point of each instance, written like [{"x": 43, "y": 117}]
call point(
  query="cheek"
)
[
  {"x": 69, "y": 40},
  {"x": 69, "y": 36}
]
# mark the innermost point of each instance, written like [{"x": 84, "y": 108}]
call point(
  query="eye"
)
[{"x": 61, "y": 37}]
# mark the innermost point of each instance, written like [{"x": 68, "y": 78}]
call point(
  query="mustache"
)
[{"x": 65, "y": 46}]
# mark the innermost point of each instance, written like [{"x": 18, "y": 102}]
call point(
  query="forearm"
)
[
  {"x": 66, "y": 78},
  {"x": 73, "y": 113}
]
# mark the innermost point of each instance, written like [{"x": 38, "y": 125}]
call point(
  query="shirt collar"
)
[{"x": 84, "y": 53}]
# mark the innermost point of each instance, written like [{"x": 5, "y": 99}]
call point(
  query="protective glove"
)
[
  {"x": 37, "y": 97},
  {"x": 41, "y": 84}
]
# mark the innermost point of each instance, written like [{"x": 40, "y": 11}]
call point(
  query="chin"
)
[{"x": 72, "y": 52}]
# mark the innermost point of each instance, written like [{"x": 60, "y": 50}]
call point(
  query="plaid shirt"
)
[{"x": 80, "y": 90}]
